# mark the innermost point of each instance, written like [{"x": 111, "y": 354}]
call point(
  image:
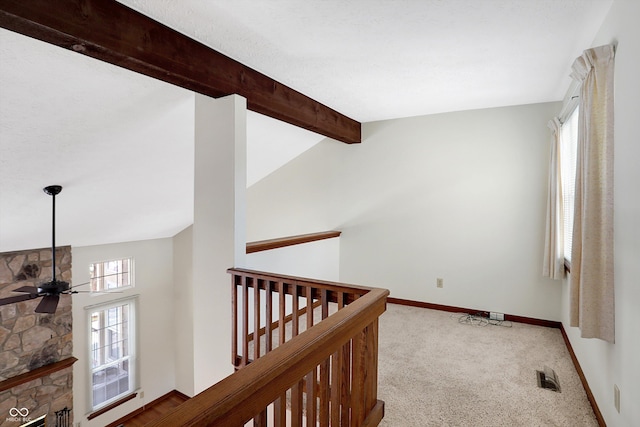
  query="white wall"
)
[
  {"x": 317, "y": 260},
  {"x": 607, "y": 364},
  {"x": 154, "y": 285},
  {"x": 459, "y": 196}
]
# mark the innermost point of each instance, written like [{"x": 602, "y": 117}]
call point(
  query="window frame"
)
[
  {"x": 132, "y": 349},
  {"x": 101, "y": 266}
]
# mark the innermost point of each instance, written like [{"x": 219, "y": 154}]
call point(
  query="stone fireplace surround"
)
[{"x": 35, "y": 349}]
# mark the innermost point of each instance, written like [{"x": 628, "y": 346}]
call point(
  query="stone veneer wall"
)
[{"x": 29, "y": 340}]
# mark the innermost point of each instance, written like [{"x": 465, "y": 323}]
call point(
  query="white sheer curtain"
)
[
  {"x": 591, "y": 289},
  {"x": 553, "y": 263}
]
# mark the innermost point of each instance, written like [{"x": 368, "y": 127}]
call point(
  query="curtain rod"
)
[{"x": 570, "y": 101}]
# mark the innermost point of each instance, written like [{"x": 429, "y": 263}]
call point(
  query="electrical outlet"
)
[
  {"x": 440, "y": 282},
  {"x": 616, "y": 397},
  {"x": 496, "y": 316},
  {"x": 142, "y": 395}
]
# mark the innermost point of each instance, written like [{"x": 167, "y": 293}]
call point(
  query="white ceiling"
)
[
  {"x": 382, "y": 59},
  {"x": 121, "y": 143}
]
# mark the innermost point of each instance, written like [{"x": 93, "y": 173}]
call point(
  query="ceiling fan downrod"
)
[
  {"x": 49, "y": 291},
  {"x": 53, "y": 190}
]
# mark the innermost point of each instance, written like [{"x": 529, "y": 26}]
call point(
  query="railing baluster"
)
[
  {"x": 234, "y": 320},
  {"x": 245, "y": 321},
  {"x": 280, "y": 411},
  {"x": 336, "y": 387},
  {"x": 323, "y": 408},
  {"x": 358, "y": 379},
  {"x": 325, "y": 303},
  {"x": 260, "y": 420},
  {"x": 282, "y": 309},
  {"x": 371, "y": 365},
  {"x": 268, "y": 316},
  {"x": 309, "y": 292},
  {"x": 341, "y": 298},
  {"x": 296, "y": 404},
  {"x": 295, "y": 324},
  {"x": 311, "y": 397},
  {"x": 256, "y": 319},
  {"x": 345, "y": 385}
]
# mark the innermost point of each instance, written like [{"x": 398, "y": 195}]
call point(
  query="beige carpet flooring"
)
[{"x": 436, "y": 371}]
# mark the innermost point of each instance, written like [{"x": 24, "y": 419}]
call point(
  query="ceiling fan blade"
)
[
  {"x": 29, "y": 289},
  {"x": 98, "y": 277},
  {"x": 81, "y": 284},
  {"x": 48, "y": 304},
  {"x": 92, "y": 292},
  {"x": 17, "y": 298}
]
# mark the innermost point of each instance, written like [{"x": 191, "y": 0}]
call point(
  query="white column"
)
[
  {"x": 182, "y": 309},
  {"x": 218, "y": 231}
]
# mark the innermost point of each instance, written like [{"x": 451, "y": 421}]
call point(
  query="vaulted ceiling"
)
[{"x": 112, "y": 138}]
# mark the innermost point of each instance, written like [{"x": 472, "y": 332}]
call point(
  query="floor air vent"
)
[{"x": 548, "y": 379}]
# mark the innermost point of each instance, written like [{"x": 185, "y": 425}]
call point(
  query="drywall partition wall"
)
[
  {"x": 604, "y": 364},
  {"x": 317, "y": 260},
  {"x": 459, "y": 196},
  {"x": 153, "y": 261},
  {"x": 182, "y": 307},
  {"x": 218, "y": 230}
]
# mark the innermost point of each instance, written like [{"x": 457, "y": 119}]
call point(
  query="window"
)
[
  {"x": 568, "y": 153},
  {"x": 112, "y": 348},
  {"x": 108, "y": 275}
]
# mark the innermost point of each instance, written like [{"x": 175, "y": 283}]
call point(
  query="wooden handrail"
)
[
  {"x": 241, "y": 396},
  {"x": 281, "y": 242},
  {"x": 302, "y": 281}
]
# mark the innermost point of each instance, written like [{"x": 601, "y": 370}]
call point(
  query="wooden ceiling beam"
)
[{"x": 114, "y": 33}]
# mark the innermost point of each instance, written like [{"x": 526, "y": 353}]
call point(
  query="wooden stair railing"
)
[
  {"x": 333, "y": 363},
  {"x": 288, "y": 302}
]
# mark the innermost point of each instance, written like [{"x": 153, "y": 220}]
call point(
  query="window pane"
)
[
  {"x": 569, "y": 146},
  {"x": 111, "y": 349},
  {"x": 111, "y": 382},
  {"x": 111, "y": 274}
]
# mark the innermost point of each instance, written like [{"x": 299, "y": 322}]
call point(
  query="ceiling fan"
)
[{"x": 49, "y": 291}]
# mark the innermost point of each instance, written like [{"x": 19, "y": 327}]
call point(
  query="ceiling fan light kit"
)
[{"x": 49, "y": 291}]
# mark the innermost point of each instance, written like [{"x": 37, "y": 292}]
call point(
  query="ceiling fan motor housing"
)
[{"x": 55, "y": 287}]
